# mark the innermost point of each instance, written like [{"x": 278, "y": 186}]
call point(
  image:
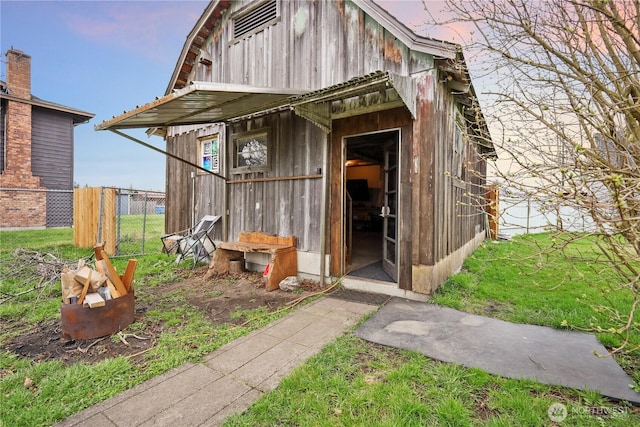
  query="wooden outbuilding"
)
[{"x": 332, "y": 122}]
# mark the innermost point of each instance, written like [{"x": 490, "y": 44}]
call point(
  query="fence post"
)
[
  {"x": 100, "y": 214},
  {"x": 118, "y": 218},
  {"x": 493, "y": 211},
  {"x": 528, "y": 213},
  {"x": 144, "y": 220}
]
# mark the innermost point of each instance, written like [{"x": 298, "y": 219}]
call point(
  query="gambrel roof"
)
[
  {"x": 189, "y": 102},
  {"x": 190, "y": 53}
]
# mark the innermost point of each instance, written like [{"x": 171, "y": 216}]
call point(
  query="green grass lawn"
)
[
  {"x": 522, "y": 281},
  {"x": 64, "y": 389},
  {"x": 135, "y": 234},
  {"x": 351, "y": 382},
  {"x": 140, "y": 234},
  {"x": 356, "y": 383}
]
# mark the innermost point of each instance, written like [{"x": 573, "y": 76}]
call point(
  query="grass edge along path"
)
[{"x": 355, "y": 383}]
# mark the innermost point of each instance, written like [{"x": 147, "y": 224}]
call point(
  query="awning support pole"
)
[
  {"x": 166, "y": 153},
  {"x": 323, "y": 212}
]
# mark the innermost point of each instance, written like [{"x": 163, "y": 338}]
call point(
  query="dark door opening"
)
[{"x": 371, "y": 194}]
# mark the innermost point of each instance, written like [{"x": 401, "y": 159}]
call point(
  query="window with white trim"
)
[{"x": 209, "y": 154}]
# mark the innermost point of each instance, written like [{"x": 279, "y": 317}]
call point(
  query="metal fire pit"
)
[{"x": 83, "y": 323}]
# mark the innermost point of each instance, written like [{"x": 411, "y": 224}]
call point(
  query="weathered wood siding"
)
[
  {"x": 209, "y": 190},
  {"x": 283, "y": 207},
  {"x": 315, "y": 44},
  {"x": 178, "y": 194},
  {"x": 312, "y": 46},
  {"x": 447, "y": 211}
]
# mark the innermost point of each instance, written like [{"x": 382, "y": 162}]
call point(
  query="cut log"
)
[
  {"x": 112, "y": 289},
  {"x": 67, "y": 287},
  {"x": 85, "y": 288},
  {"x": 112, "y": 273},
  {"x": 127, "y": 277},
  {"x": 97, "y": 250},
  {"x": 97, "y": 279},
  {"x": 94, "y": 300},
  {"x": 102, "y": 269},
  {"x": 236, "y": 266},
  {"x": 70, "y": 286}
]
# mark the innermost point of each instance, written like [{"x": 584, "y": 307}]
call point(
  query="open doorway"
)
[{"x": 371, "y": 194}]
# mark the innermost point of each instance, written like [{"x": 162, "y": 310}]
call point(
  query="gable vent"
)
[{"x": 255, "y": 18}]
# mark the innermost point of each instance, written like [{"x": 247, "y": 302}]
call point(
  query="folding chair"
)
[{"x": 194, "y": 242}]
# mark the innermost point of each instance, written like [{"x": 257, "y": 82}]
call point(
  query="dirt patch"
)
[
  {"x": 493, "y": 308},
  {"x": 220, "y": 299}
]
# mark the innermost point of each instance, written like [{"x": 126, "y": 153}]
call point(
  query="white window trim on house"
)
[{"x": 209, "y": 154}]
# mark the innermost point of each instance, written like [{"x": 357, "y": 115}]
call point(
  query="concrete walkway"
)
[{"x": 232, "y": 377}]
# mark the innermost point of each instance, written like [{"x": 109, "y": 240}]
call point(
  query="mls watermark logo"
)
[{"x": 557, "y": 412}]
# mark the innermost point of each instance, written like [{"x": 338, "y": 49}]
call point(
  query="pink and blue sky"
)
[{"x": 106, "y": 57}]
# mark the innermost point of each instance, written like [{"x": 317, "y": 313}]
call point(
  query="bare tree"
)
[{"x": 564, "y": 80}]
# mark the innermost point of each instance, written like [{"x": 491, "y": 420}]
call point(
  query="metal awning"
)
[
  {"x": 395, "y": 91},
  {"x": 202, "y": 102}
]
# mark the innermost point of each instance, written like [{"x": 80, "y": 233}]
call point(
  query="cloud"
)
[{"x": 142, "y": 27}]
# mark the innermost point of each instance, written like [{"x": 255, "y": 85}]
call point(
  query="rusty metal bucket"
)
[{"x": 83, "y": 323}]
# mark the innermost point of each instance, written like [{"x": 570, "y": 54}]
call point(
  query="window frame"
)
[
  {"x": 241, "y": 137},
  {"x": 459, "y": 149},
  {"x": 214, "y": 165}
]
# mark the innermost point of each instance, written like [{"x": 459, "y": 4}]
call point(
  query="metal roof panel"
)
[{"x": 202, "y": 102}]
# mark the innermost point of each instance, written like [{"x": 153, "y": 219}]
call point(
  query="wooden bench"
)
[{"x": 283, "y": 262}]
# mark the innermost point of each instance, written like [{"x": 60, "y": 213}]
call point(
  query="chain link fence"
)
[
  {"x": 130, "y": 221},
  {"x": 139, "y": 218}
]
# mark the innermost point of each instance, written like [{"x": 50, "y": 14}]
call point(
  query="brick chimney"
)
[
  {"x": 19, "y": 73},
  {"x": 18, "y": 171}
]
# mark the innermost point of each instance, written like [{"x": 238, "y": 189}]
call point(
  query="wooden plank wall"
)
[
  {"x": 457, "y": 206},
  {"x": 209, "y": 190},
  {"x": 425, "y": 131},
  {"x": 179, "y": 200},
  {"x": 86, "y": 218},
  {"x": 307, "y": 48},
  {"x": 283, "y": 207}
]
